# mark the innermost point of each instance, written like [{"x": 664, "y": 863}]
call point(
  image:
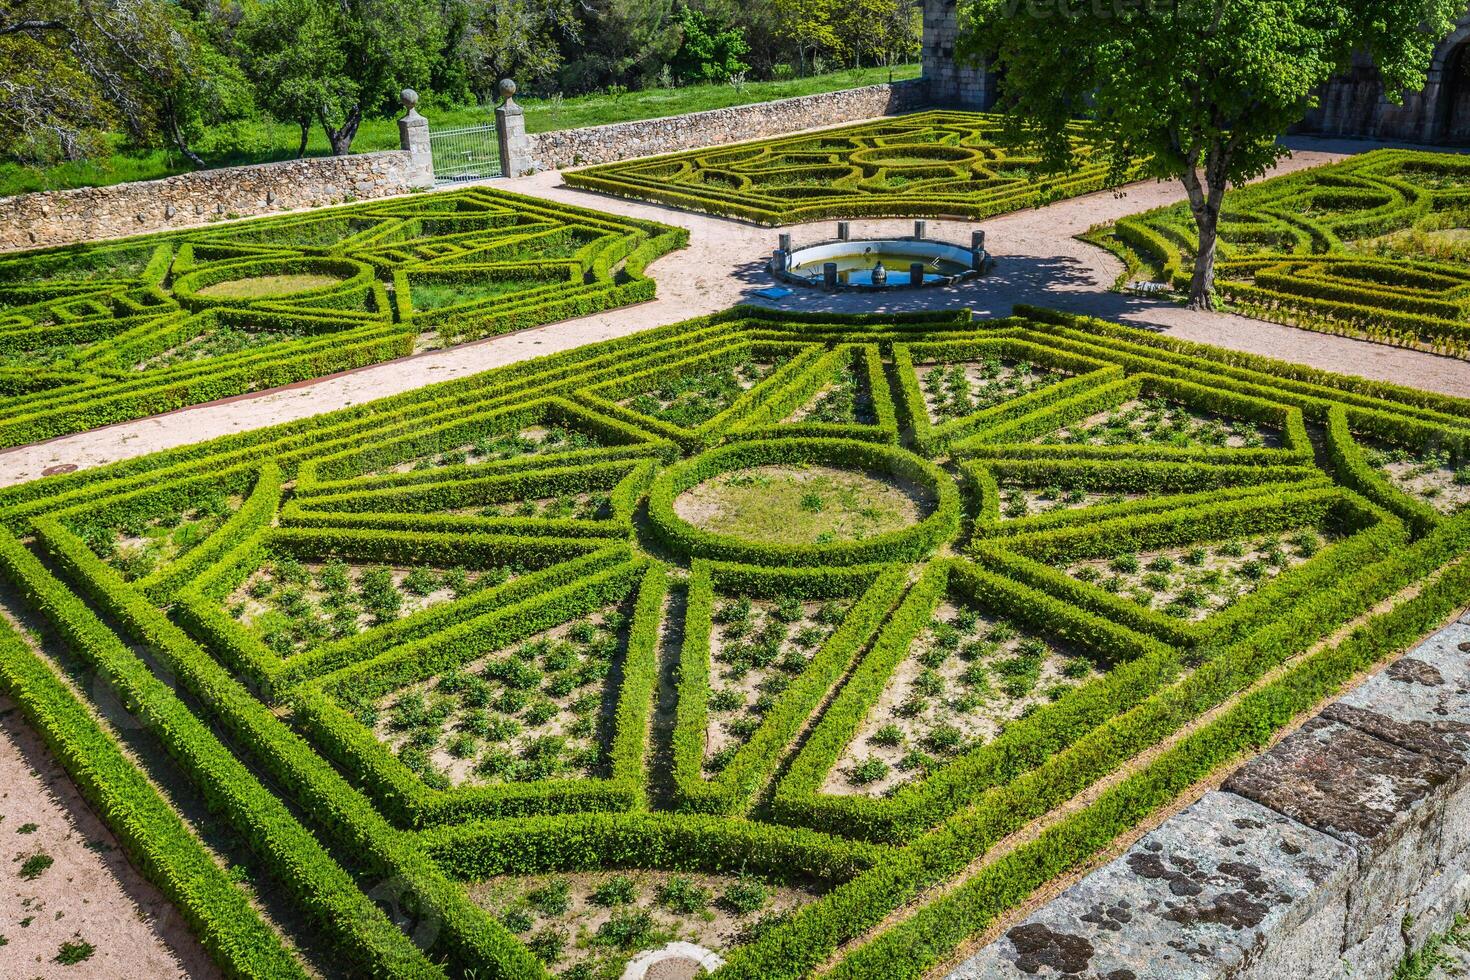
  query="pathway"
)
[{"x": 1039, "y": 262}]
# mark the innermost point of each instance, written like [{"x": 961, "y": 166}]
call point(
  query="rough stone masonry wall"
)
[
  {"x": 1331, "y": 856},
  {"x": 89, "y": 213},
  {"x": 651, "y": 137}
]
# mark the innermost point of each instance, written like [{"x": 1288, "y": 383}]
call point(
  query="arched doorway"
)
[{"x": 1454, "y": 99}]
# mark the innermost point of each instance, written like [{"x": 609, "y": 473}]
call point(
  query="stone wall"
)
[
  {"x": 949, "y": 82},
  {"x": 650, "y": 137},
  {"x": 1331, "y": 856},
  {"x": 88, "y": 213},
  {"x": 1356, "y": 104}
]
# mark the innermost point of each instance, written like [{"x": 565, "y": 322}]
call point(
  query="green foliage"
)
[
  {"x": 140, "y": 318},
  {"x": 920, "y": 164},
  {"x": 1199, "y": 92},
  {"x": 346, "y": 762}
]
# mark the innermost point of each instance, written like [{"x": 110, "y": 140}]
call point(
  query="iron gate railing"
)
[{"x": 466, "y": 153}]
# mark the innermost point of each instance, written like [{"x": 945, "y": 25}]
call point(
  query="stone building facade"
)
[
  {"x": 1355, "y": 104},
  {"x": 951, "y": 83}
]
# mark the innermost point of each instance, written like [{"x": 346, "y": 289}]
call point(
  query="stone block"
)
[
  {"x": 1385, "y": 801},
  {"x": 1422, "y": 702},
  {"x": 1195, "y": 898}
]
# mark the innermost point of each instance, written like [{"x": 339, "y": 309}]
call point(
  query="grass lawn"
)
[
  {"x": 263, "y": 142},
  {"x": 809, "y": 505},
  {"x": 259, "y": 287}
]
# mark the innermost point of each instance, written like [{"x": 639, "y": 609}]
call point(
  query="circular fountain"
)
[{"x": 878, "y": 263}]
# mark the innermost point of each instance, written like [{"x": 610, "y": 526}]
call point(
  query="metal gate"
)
[{"x": 467, "y": 153}]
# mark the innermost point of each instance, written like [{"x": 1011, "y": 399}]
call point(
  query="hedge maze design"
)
[
  {"x": 1373, "y": 247},
  {"x": 91, "y": 335},
  {"x": 923, "y": 164},
  {"x": 478, "y": 692}
]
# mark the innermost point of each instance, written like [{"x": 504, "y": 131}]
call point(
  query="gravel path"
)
[
  {"x": 90, "y": 894},
  {"x": 1038, "y": 262}
]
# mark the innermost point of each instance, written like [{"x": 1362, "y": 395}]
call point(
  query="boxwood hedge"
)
[
  {"x": 539, "y": 503},
  {"x": 96, "y": 334}
]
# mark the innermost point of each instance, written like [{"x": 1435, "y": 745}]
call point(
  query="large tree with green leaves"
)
[
  {"x": 70, "y": 69},
  {"x": 345, "y": 60},
  {"x": 1198, "y": 90}
]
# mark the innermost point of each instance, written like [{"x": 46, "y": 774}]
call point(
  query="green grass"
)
[
  {"x": 259, "y": 287},
  {"x": 806, "y": 505},
  {"x": 262, "y": 142}
]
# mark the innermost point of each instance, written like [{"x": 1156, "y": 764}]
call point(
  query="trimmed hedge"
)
[
  {"x": 1318, "y": 268},
  {"x": 908, "y": 543},
  {"x": 272, "y": 742},
  {"x": 923, "y": 164},
  {"x": 145, "y": 338}
]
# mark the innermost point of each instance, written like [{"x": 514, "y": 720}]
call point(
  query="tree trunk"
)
[
  {"x": 176, "y": 133},
  {"x": 341, "y": 138},
  {"x": 305, "y": 133},
  {"x": 1205, "y": 199},
  {"x": 1202, "y": 286}
]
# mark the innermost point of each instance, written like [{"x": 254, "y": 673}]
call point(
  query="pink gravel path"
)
[
  {"x": 1039, "y": 262},
  {"x": 90, "y": 894}
]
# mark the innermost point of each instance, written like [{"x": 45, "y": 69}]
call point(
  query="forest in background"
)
[{"x": 98, "y": 83}]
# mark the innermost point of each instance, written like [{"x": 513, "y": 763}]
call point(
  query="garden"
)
[
  {"x": 922, "y": 164},
  {"x": 1373, "y": 247},
  {"x": 102, "y": 333},
  {"x": 764, "y": 631}
]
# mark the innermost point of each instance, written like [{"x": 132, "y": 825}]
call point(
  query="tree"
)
[
  {"x": 348, "y": 59},
  {"x": 519, "y": 39},
  {"x": 709, "y": 51},
  {"x": 808, "y": 26},
  {"x": 295, "y": 62},
  {"x": 144, "y": 65},
  {"x": 1197, "y": 90}
]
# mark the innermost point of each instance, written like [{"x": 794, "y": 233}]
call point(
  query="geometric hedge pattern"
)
[
  {"x": 920, "y": 164},
  {"x": 96, "y": 334},
  {"x": 1373, "y": 246},
  {"x": 472, "y": 634}
]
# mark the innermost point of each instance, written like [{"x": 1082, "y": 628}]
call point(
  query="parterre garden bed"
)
[
  {"x": 411, "y": 654},
  {"x": 923, "y": 164},
  {"x": 1371, "y": 247},
  {"x": 96, "y": 334}
]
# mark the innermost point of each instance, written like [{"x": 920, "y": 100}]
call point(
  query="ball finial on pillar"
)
[
  {"x": 507, "y": 89},
  {"x": 410, "y": 100}
]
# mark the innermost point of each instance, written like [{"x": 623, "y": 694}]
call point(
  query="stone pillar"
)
[
  {"x": 510, "y": 133},
  {"x": 413, "y": 136},
  {"x": 916, "y": 273}
]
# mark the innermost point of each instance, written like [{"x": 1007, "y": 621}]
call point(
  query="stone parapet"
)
[
  {"x": 651, "y": 137},
  {"x": 1329, "y": 857},
  {"x": 186, "y": 200}
]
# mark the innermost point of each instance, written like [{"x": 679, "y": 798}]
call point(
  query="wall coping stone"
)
[{"x": 1332, "y": 855}]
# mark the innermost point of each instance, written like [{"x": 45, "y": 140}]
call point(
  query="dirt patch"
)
[
  {"x": 604, "y": 918},
  {"x": 1195, "y": 581},
  {"x": 535, "y": 712},
  {"x": 965, "y": 676},
  {"x": 757, "y": 647},
  {"x": 1429, "y": 477},
  {"x": 952, "y": 391},
  {"x": 89, "y": 893},
  {"x": 1157, "y": 421}
]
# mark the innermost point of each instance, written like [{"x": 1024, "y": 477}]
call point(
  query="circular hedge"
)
[
  {"x": 906, "y": 544},
  {"x": 349, "y": 274}
]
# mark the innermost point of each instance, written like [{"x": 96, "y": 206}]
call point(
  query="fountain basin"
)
[{"x": 943, "y": 263}]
